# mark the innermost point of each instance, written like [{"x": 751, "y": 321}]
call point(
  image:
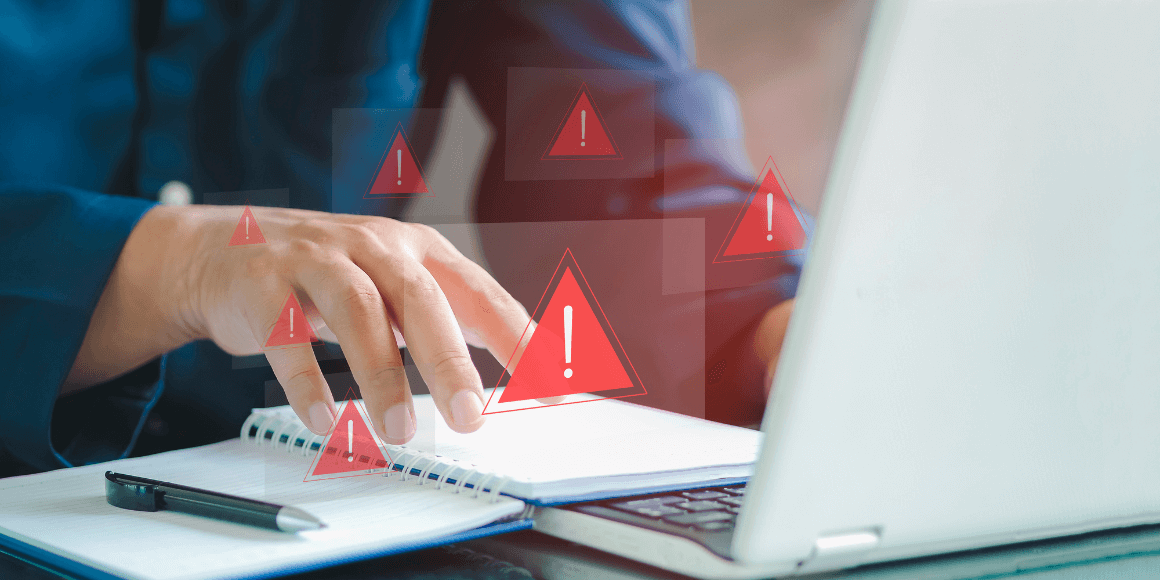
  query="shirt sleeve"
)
[
  {"x": 58, "y": 246},
  {"x": 649, "y": 43}
]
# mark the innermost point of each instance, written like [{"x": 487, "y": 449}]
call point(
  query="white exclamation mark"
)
[
  {"x": 350, "y": 440},
  {"x": 247, "y": 227},
  {"x": 769, "y": 216},
  {"x": 583, "y": 123},
  {"x": 567, "y": 340},
  {"x": 291, "y": 322},
  {"x": 399, "y": 165}
]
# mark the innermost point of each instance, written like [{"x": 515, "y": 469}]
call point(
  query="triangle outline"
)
[
  {"x": 360, "y": 409},
  {"x": 270, "y": 335},
  {"x": 599, "y": 119},
  {"x": 382, "y": 163},
  {"x": 770, "y": 166},
  {"x": 240, "y": 228},
  {"x": 568, "y": 260}
]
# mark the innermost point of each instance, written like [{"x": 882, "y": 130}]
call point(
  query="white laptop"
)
[{"x": 974, "y": 358}]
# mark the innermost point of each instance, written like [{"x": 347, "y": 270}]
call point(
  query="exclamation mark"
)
[
  {"x": 350, "y": 440},
  {"x": 247, "y": 227},
  {"x": 399, "y": 165},
  {"x": 583, "y": 123},
  {"x": 291, "y": 322},
  {"x": 769, "y": 216},
  {"x": 567, "y": 340}
]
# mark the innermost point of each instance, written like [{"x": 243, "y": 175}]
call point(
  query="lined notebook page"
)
[
  {"x": 590, "y": 447},
  {"x": 65, "y": 512}
]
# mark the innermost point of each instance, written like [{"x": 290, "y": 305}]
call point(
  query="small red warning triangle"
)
[
  {"x": 351, "y": 447},
  {"x": 399, "y": 174},
  {"x": 292, "y": 327},
  {"x": 583, "y": 134},
  {"x": 770, "y": 223},
  {"x": 247, "y": 232},
  {"x": 572, "y": 349}
]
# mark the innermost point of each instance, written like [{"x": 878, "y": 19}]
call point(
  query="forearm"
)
[{"x": 139, "y": 314}]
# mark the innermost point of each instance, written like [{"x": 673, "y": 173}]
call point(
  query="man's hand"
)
[
  {"x": 770, "y": 335},
  {"x": 361, "y": 280}
]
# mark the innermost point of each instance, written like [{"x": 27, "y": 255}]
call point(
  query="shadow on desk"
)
[{"x": 1128, "y": 554}]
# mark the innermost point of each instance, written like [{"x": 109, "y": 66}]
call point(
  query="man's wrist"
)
[
  {"x": 142, "y": 312},
  {"x": 161, "y": 251}
]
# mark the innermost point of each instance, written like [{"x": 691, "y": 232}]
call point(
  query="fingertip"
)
[
  {"x": 399, "y": 424},
  {"x": 321, "y": 418},
  {"x": 466, "y": 411}
]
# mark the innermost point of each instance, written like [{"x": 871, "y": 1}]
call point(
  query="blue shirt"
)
[{"x": 101, "y": 102}]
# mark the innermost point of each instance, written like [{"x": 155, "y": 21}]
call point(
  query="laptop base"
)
[{"x": 664, "y": 550}]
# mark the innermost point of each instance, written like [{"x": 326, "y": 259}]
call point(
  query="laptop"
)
[{"x": 974, "y": 357}]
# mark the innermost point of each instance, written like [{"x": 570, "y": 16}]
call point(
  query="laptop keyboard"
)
[
  {"x": 709, "y": 510},
  {"x": 705, "y": 515}
]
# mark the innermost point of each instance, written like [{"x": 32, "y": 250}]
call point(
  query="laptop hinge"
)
[{"x": 841, "y": 550}]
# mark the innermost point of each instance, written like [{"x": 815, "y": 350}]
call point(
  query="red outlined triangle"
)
[
  {"x": 769, "y": 225},
  {"x": 292, "y": 328},
  {"x": 399, "y": 174},
  {"x": 583, "y": 133},
  {"x": 247, "y": 231},
  {"x": 351, "y": 447},
  {"x": 597, "y": 364}
]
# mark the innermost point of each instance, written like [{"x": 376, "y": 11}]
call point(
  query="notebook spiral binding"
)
[{"x": 289, "y": 434}]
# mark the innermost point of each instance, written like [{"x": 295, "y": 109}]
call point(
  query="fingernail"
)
[
  {"x": 465, "y": 408},
  {"x": 398, "y": 423},
  {"x": 321, "y": 417}
]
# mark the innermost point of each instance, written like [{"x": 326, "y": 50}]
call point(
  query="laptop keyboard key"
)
[
  {"x": 701, "y": 495},
  {"x": 657, "y": 511},
  {"x": 732, "y": 501},
  {"x": 736, "y": 490},
  {"x": 715, "y": 526},
  {"x": 698, "y": 518},
  {"x": 651, "y": 502},
  {"x": 701, "y": 506}
]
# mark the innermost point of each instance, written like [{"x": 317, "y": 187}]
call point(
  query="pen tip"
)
[{"x": 292, "y": 519}]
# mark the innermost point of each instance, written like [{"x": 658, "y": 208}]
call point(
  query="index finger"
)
[{"x": 480, "y": 303}]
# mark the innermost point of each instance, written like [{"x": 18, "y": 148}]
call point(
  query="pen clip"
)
[{"x": 124, "y": 494}]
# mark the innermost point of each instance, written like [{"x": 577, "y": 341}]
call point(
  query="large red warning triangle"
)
[
  {"x": 572, "y": 349},
  {"x": 247, "y": 231},
  {"x": 583, "y": 134},
  {"x": 351, "y": 447},
  {"x": 399, "y": 174},
  {"x": 770, "y": 224},
  {"x": 292, "y": 326}
]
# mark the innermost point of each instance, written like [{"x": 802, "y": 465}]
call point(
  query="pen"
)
[{"x": 148, "y": 495}]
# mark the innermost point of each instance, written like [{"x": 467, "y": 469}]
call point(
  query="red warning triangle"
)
[
  {"x": 399, "y": 174},
  {"x": 247, "y": 232},
  {"x": 572, "y": 349},
  {"x": 351, "y": 447},
  {"x": 583, "y": 134},
  {"x": 770, "y": 223},
  {"x": 292, "y": 326}
]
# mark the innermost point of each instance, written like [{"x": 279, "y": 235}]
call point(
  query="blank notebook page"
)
[
  {"x": 589, "y": 447},
  {"x": 65, "y": 512}
]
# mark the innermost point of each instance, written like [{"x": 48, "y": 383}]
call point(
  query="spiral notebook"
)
[{"x": 441, "y": 487}]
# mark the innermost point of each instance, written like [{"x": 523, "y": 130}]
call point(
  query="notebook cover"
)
[{"x": 41, "y": 557}]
